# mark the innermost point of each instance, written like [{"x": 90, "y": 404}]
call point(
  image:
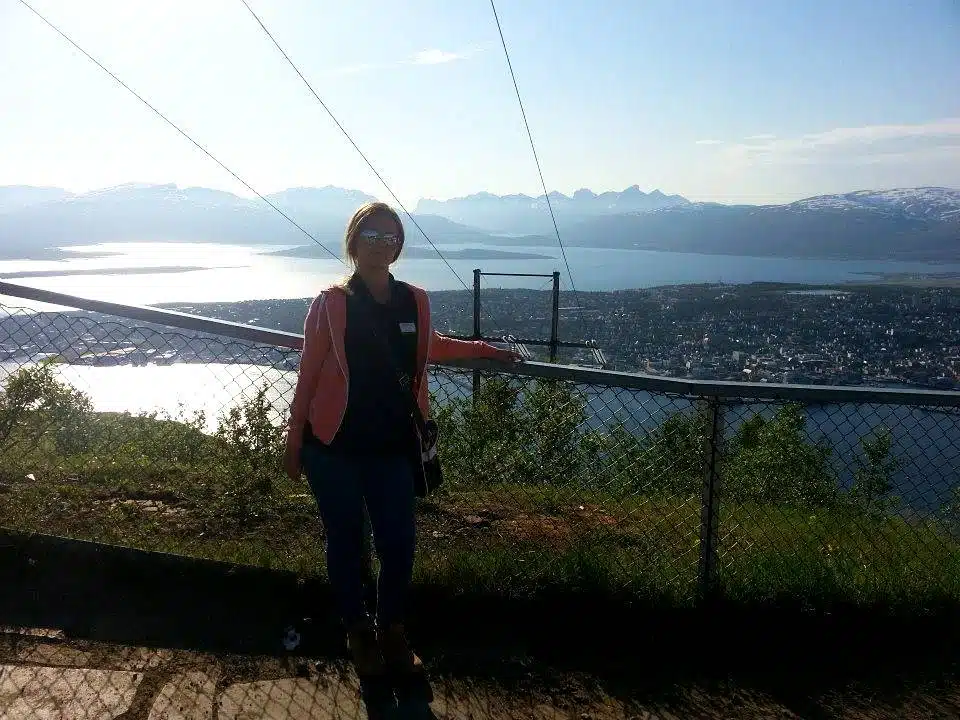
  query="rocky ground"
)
[
  {"x": 44, "y": 675},
  {"x": 93, "y": 632}
]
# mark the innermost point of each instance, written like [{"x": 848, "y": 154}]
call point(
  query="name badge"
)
[{"x": 408, "y": 327}]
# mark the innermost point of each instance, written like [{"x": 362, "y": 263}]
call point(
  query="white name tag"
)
[{"x": 408, "y": 327}]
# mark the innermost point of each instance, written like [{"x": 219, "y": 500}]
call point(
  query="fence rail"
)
[
  {"x": 163, "y": 430},
  {"x": 582, "y": 375}
]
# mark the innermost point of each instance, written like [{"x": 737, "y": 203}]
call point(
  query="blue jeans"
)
[{"x": 341, "y": 485}]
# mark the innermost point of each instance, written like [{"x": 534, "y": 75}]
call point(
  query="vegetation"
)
[{"x": 539, "y": 495}]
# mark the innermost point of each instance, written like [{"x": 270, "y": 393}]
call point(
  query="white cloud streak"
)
[
  {"x": 424, "y": 57},
  {"x": 848, "y": 145},
  {"x": 436, "y": 57}
]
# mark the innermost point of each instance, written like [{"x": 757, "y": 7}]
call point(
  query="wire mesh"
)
[
  {"x": 854, "y": 503},
  {"x": 551, "y": 482},
  {"x": 164, "y": 439},
  {"x": 147, "y": 436}
]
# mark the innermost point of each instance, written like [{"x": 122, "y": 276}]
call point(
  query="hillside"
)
[{"x": 827, "y": 227}]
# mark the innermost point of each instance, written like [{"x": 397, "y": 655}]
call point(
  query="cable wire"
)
[
  {"x": 350, "y": 139},
  {"x": 533, "y": 148},
  {"x": 177, "y": 128}
]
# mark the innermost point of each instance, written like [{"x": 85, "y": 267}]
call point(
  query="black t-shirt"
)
[{"x": 377, "y": 418}]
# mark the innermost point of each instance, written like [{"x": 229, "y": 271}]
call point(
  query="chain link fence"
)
[
  {"x": 136, "y": 434},
  {"x": 681, "y": 496},
  {"x": 156, "y": 437}
]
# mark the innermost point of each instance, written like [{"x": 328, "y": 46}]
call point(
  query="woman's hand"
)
[
  {"x": 291, "y": 462},
  {"x": 508, "y": 356}
]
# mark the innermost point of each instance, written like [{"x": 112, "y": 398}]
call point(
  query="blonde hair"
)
[{"x": 364, "y": 213}]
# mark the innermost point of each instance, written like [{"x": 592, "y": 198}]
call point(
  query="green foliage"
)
[
  {"x": 250, "y": 449},
  {"x": 873, "y": 478},
  {"x": 479, "y": 434},
  {"x": 564, "y": 503},
  {"x": 34, "y": 404},
  {"x": 155, "y": 439},
  {"x": 774, "y": 461},
  {"x": 673, "y": 454},
  {"x": 511, "y": 431},
  {"x": 551, "y": 415},
  {"x": 537, "y": 434},
  {"x": 950, "y": 510}
]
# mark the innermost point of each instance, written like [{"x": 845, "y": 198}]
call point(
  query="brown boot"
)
[
  {"x": 364, "y": 649},
  {"x": 397, "y": 655}
]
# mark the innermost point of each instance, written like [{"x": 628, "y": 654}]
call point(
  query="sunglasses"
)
[{"x": 375, "y": 236}]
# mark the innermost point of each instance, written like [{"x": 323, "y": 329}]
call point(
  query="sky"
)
[{"x": 755, "y": 101}]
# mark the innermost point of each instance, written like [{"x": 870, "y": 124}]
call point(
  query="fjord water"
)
[{"x": 246, "y": 273}]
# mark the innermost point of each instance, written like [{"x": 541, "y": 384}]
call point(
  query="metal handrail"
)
[
  {"x": 170, "y": 318},
  {"x": 810, "y": 394}
]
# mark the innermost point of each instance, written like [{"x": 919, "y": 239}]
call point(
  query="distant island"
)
[
  {"x": 50, "y": 254},
  {"x": 914, "y": 279},
  {"x": 418, "y": 252},
  {"x": 159, "y": 270}
]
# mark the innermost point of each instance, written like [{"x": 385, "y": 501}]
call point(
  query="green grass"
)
[
  {"x": 836, "y": 555},
  {"x": 508, "y": 538}
]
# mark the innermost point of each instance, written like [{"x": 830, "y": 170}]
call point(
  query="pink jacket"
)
[{"x": 322, "y": 386}]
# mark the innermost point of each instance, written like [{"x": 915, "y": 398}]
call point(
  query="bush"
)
[
  {"x": 480, "y": 435},
  {"x": 673, "y": 454},
  {"x": 250, "y": 450},
  {"x": 772, "y": 461},
  {"x": 550, "y": 418},
  {"x": 34, "y": 404},
  {"x": 537, "y": 434},
  {"x": 873, "y": 479}
]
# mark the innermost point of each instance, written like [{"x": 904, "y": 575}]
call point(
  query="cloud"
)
[
  {"x": 424, "y": 57},
  {"x": 709, "y": 142},
  {"x": 849, "y": 145},
  {"x": 436, "y": 57}
]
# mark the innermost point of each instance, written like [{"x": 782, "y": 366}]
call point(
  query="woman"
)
[{"x": 351, "y": 430}]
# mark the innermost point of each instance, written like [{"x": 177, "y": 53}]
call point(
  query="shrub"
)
[
  {"x": 249, "y": 451},
  {"x": 773, "y": 461},
  {"x": 35, "y": 404},
  {"x": 873, "y": 478}
]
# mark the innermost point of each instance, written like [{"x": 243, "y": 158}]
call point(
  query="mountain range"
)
[
  {"x": 526, "y": 214},
  {"x": 906, "y": 224}
]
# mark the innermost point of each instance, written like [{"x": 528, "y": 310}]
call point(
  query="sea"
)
[
  {"x": 231, "y": 272},
  {"x": 926, "y": 440}
]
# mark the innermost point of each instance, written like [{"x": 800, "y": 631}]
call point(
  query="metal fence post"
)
[
  {"x": 476, "y": 329},
  {"x": 709, "y": 500},
  {"x": 555, "y": 318}
]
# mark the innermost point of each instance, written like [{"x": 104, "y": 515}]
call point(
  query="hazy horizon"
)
[
  {"x": 734, "y": 102},
  {"x": 243, "y": 193}
]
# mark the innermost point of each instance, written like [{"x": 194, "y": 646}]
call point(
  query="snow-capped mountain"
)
[
  {"x": 930, "y": 203},
  {"x": 920, "y": 224}
]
